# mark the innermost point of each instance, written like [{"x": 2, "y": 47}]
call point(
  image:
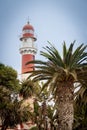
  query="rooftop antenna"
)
[{"x": 28, "y": 20}]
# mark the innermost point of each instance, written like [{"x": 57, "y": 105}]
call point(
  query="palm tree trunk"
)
[
  {"x": 65, "y": 116},
  {"x": 65, "y": 107}
]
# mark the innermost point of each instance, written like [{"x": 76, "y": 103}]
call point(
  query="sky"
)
[{"x": 53, "y": 20}]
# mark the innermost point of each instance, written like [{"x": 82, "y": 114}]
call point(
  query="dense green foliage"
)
[
  {"x": 27, "y": 89},
  {"x": 11, "y": 110},
  {"x": 8, "y": 78}
]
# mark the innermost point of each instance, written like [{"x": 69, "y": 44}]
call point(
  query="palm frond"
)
[
  {"x": 52, "y": 55},
  {"x": 64, "y": 51},
  {"x": 68, "y": 57},
  {"x": 78, "y": 56}
]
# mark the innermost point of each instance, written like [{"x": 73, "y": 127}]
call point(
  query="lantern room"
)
[{"x": 28, "y": 32}]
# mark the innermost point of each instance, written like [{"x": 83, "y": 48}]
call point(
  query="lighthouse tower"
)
[{"x": 27, "y": 49}]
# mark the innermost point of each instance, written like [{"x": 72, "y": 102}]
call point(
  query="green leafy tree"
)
[
  {"x": 11, "y": 110},
  {"x": 8, "y": 78},
  {"x": 60, "y": 73}
]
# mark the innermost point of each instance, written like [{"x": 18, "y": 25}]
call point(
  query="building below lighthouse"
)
[{"x": 27, "y": 49}]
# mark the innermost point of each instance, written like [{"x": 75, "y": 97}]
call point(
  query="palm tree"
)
[{"x": 60, "y": 73}]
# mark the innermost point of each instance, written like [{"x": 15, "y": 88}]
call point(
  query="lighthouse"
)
[{"x": 27, "y": 49}]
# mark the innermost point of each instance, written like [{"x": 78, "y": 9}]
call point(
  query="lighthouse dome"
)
[
  {"x": 28, "y": 32},
  {"x": 28, "y": 27}
]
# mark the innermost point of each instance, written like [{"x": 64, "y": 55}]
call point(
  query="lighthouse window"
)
[
  {"x": 25, "y": 40},
  {"x": 31, "y": 31},
  {"x": 28, "y": 31}
]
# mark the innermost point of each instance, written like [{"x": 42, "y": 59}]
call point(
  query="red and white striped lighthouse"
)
[{"x": 27, "y": 49}]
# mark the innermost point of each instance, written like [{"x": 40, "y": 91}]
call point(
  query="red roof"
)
[{"x": 28, "y": 27}]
